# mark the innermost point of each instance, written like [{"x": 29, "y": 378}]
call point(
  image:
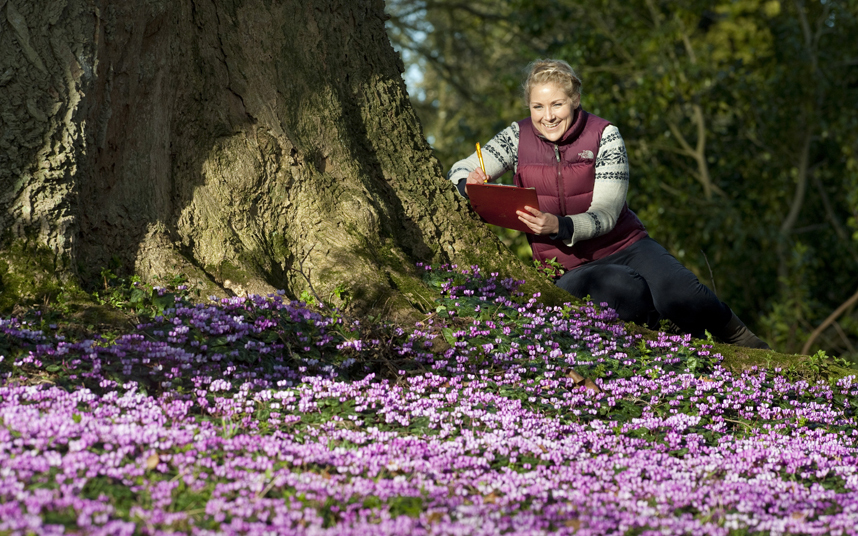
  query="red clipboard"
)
[{"x": 497, "y": 204}]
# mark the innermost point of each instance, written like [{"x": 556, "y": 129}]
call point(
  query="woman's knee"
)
[
  {"x": 623, "y": 289},
  {"x": 689, "y": 300}
]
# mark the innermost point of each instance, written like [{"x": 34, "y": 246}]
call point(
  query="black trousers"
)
[{"x": 644, "y": 283}]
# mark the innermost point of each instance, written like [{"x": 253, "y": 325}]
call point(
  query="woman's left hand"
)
[{"x": 541, "y": 223}]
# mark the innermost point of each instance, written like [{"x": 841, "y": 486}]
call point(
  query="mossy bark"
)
[{"x": 233, "y": 141}]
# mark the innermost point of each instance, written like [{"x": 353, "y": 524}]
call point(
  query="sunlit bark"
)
[{"x": 232, "y": 141}]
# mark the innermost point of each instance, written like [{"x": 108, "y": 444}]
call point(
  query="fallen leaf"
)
[
  {"x": 153, "y": 461},
  {"x": 577, "y": 378},
  {"x": 591, "y": 386},
  {"x": 434, "y": 517}
]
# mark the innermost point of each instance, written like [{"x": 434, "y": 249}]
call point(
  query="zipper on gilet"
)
[{"x": 560, "y": 188}]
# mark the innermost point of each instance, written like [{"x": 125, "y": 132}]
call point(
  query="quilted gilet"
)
[{"x": 564, "y": 173}]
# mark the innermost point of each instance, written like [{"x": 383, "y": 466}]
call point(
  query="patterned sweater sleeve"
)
[
  {"x": 500, "y": 155},
  {"x": 609, "y": 191}
]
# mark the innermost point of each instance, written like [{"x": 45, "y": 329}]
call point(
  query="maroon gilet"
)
[{"x": 563, "y": 174}]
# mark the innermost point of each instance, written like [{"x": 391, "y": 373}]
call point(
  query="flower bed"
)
[{"x": 262, "y": 416}]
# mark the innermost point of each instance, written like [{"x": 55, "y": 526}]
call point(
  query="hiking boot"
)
[{"x": 737, "y": 333}]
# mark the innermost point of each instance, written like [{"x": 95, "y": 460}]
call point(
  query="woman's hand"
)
[
  {"x": 541, "y": 223},
  {"x": 475, "y": 177}
]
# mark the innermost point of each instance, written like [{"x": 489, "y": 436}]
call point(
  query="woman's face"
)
[{"x": 551, "y": 110}]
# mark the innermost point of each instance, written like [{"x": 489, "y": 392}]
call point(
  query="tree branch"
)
[
  {"x": 800, "y": 189},
  {"x": 828, "y": 321},
  {"x": 656, "y": 16},
  {"x": 832, "y": 217},
  {"x": 843, "y": 336},
  {"x": 686, "y": 41},
  {"x": 687, "y": 150},
  {"x": 698, "y": 153}
]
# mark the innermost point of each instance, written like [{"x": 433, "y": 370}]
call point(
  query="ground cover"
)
[{"x": 259, "y": 415}]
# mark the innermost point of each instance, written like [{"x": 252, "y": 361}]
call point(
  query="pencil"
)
[{"x": 482, "y": 164}]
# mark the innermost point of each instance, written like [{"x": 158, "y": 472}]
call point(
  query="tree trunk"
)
[{"x": 232, "y": 141}]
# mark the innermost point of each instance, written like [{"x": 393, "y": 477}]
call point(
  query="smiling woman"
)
[
  {"x": 577, "y": 163},
  {"x": 552, "y": 109}
]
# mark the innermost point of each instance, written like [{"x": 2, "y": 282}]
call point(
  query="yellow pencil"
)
[{"x": 482, "y": 164}]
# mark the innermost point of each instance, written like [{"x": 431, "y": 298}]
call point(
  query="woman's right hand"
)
[{"x": 475, "y": 177}]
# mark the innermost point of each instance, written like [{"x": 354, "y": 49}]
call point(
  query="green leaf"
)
[
  {"x": 163, "y": 302},
  {"x": 408, "y": 506},
  {"x": 137, "y": 296}
]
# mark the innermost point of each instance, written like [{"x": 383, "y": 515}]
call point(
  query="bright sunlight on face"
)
[{"x": 551, "y": 110}]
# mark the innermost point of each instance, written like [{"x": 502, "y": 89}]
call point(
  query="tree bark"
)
[{"x": 228, "y": 140}]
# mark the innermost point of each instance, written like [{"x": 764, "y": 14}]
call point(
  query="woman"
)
[{"x": 578, "y": 164}]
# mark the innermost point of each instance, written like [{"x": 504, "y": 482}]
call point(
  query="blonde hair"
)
[{"x": 556, "y": 72}]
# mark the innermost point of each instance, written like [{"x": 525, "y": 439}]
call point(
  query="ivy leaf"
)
[{"x": 448, "y": 336}]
